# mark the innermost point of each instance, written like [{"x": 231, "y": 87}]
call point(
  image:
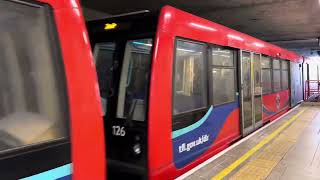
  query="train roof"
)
[
  {"x": 186, "y": 25},
  {"x": 183, "y": 24}
]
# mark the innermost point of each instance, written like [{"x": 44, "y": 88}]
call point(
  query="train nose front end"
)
[{"x": 123, "y": 49}]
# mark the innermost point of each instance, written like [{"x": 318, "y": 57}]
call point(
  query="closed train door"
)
[{"x": 251, "y": 92}]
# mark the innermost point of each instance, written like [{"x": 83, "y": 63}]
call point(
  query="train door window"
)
[
  {"x": 276, "y": 75},
  {"x": 33, "y": 100},
  {"x": 266, "y": 74},
  {"x": 189, "y": 77},
  {"x": 222, "y": 74},
  {"x": 104, "y": 54},
  {"x": 285, "y": 74},
  {"x": 133, "y": 80}
]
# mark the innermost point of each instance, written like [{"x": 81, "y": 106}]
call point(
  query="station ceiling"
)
[{"x": 293, "y": 24}]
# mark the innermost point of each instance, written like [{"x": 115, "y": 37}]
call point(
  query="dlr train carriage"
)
[
  {"x": 51, "y": 124},
  {"x": 177, "y": 89}
]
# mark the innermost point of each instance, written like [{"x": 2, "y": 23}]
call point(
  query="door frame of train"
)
[
  {"x": 260, "y": 122},
  {"x": 249, "y": 129},
  {"x": 254, "y": 125}
]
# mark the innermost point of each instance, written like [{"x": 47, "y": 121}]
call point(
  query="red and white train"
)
[{"x": 177, "y": 89}]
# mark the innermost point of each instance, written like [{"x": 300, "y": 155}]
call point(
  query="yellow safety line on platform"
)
[{"x": 256, "y": 148}]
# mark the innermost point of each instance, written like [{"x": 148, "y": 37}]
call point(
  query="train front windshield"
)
[
  {"x": 132, "y": 87},
  {"x": 123, "y": 48}
]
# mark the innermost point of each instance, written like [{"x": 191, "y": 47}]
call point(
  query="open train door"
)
[
  {"x": 296, "y": 76},
  {"x": 251, "y": 92}
]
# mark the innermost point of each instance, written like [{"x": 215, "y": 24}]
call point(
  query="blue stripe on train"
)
[
  {"x": 267, "y": 111},
  {"x": 65, "y": 178},
  {"x": 196, "y": 139},
  {"x": 192, "y": 127},
  {"x": 59, "y": 173}
]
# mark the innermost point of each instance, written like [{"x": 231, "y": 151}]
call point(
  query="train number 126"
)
[{"x": 118, "y": 131}]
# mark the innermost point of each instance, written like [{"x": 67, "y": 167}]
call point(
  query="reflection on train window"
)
[
  {"x": 223, "y": 76},
  {"x": 257, "y": 88},
  {"x": 33, "y": 101},
  {"x": 285, "y": 74},
  {"x": 184, "y": 86},
  {"x": 276, "y": 64},
  {"x": 284, "y": 64},
  {"x": 276, "y": 75},
  {"x": 266, "y": 74},
  {"x": 104, "y": 54},
  {"x": 189, "y": 79},
  {"x": 222, "y": 57},
  {"x": 133, "y": 81}
]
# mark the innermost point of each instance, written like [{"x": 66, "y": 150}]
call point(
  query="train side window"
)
[
  {"x": 222, "y": 57},
  {"x": 276, "y": 71},
  {"x": 285, "y": 74},
  {"x": 189, "y": 77},
  {"x": 266, "y": 74},
  {"x": 33, "y": 97},
  {"x": 222, "y": 74}
]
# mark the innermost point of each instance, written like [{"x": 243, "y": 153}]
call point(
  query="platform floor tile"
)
[{"x": 293, "y": 154}]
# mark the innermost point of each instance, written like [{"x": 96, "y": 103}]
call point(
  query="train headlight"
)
[{"x": 137, "y": 149}]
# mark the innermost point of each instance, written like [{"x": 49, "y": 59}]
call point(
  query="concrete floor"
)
[{"x": 294, "y": 153}]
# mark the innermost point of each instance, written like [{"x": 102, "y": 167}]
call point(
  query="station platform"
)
[{"x": 284, "y": 149}]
